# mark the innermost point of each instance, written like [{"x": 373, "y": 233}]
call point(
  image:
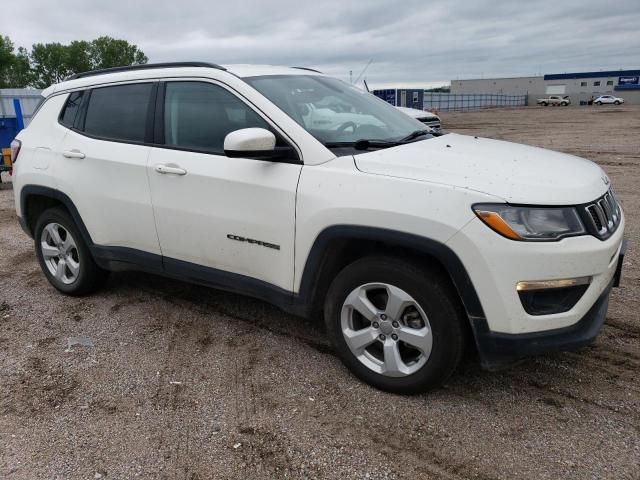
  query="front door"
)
[{"x": 219, "y": 219}]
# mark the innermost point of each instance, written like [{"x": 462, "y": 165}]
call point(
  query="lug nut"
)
[
  {"x": 382, "y": 337},
  {"x": 394, "y": 336},
  {"x": 375, "y": 325},
  {"x": 383, "y": 317},
  {"x": 395, "y": 324}
]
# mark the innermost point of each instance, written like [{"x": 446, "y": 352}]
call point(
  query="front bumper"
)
[
  {"x": 497, "y": 350},
  {"x": 504, "y": 332}
]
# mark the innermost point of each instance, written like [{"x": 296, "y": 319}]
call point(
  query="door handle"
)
[
  {"x": 73, "y": 154},
  {"x": 170, "y": 170}
]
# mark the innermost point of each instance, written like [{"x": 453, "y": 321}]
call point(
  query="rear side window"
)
[
  {"x": 71, "y": 108},
  {"x": 199, "y": 116},
  {"x": 119, "y": 112}
]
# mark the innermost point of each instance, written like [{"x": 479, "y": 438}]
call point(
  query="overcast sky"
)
[{"x": 411, "y": 42}]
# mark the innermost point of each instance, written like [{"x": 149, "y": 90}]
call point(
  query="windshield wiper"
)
[
  {"x": 415, "y": 134},
  {"x": 363, "y": 144},
  {"x": 369, "y": 143}
]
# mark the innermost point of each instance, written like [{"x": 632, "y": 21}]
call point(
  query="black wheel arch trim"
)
[
  {"x": 109, "y": 258},
  {"x": 445, "y": 255},
  {"x": 29, "y": 190}
]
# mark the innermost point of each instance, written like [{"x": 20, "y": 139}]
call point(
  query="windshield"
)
[{"x": 334, "y": 111}]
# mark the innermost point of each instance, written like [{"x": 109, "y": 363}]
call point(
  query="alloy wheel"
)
[
  {"x": 386, "y": 329},
  {"x": 60, "y": 253}
]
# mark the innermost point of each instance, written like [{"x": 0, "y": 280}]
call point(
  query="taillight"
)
[{"x": 15, "y": 150}]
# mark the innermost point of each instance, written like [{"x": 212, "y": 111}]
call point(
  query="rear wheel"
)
[
  {"x": 394, "y": 325},
  {"x": 63, "y": 255},
  {"x": 598, "y": 103},
  {"x": 544, "y": 104}
]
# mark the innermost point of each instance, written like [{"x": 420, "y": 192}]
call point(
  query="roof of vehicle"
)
[{"x": 179, "y": 69}]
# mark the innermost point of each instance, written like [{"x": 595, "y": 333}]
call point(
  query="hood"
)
[
  {"x": 515, "y": 173},
  {"x": 415, "y": 113}
]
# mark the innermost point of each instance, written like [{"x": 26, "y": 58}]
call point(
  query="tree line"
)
[{"x": 49, "y": 63}]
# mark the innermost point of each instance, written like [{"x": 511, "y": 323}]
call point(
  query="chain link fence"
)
[{"x": 448, "y": 102}]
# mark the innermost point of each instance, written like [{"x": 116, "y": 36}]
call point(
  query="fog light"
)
[
  {"x": 546, "y": 297},
  {"x": 547, "y": 284}
]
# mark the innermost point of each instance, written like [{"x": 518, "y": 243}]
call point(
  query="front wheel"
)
[
  {"x": 396, "y": 326},
  {"x": 617, "y": 102},
  {"x": 64, "y": 256}
]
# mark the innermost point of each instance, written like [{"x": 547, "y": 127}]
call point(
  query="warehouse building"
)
[{"x": 579, "y": 86}]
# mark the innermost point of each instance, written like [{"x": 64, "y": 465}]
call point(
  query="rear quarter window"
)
[
  {"x": 118, "y": 112},
  {"x": 70, "y": 109}
]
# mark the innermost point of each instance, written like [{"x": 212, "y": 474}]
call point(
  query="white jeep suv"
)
[{"x": 406, "y": 241}]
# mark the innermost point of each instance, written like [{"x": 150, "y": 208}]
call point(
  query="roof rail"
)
[
  {"x": 143, "y": 66},
  {"x": 307, "y": 68}
]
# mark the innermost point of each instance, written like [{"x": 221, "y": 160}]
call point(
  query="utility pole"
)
[{"x": 350, "y": 76}]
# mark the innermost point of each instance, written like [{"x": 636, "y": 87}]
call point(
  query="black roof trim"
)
[
  {"x": 143, "y": 66},
  {"x": 308, "y": 69}
]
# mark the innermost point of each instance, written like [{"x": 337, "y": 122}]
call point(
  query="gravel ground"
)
[{"x": 184, "y": 382}]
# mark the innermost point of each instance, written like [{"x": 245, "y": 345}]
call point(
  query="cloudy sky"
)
[{"x": 411, "y": 42}]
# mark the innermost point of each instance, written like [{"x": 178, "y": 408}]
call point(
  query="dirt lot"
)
[{"x": 189, "y": 383}]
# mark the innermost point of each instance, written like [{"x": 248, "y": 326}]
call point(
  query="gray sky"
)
[{"x": 411, "y": 42}]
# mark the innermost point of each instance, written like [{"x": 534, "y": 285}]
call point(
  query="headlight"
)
[{"x": 531, "y": 223}]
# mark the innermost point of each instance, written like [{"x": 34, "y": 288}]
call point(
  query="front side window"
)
[
  {"x": 198, "y": 116},
  {"x": 119, "y": 112},
  {"x": 596, "y": 84},
  {"x": 334, "y": 111},
  {"x": 70, "y": 110}
]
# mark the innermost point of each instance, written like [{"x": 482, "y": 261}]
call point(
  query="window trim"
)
[
  {"x": 78, "y": 111},
  {"x": 148, "y": 115},
  {"x": 155, "y": 118},
  {"x": 159, "y": 140},
  {"x": 78, "y": 124}
]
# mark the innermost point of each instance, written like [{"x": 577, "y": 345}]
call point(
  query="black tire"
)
[
  {"x": 617, "y": 102},
  {"x": 435, "y": 296},
  {"x": 598, "y": 103},
  {"x": 565, "y": 104},
  {"x": 544, "y": 104},
  {"x": 90, "y": 277}
]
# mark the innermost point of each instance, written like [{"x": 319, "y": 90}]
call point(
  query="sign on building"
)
[{"x": 628, "y": 80}]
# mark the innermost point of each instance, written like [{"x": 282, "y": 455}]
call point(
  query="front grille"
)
[
  {"x": 603, "y": 216},
  {"x": 430, "y": 122}
]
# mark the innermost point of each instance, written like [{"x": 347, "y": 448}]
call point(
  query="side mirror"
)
[{"x": 257, "y": 144}]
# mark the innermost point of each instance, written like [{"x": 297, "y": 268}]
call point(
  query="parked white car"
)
[
  {"x": 602, "y": 99},
  {"x": 406, "y": 243},
  {"x": 423, "y": 116}
]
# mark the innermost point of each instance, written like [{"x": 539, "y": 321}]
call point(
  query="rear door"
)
[
  {"x": 218, "y": 216},
  {"x": 102, "y": 164}
]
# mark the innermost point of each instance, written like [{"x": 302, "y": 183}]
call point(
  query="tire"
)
[
  {"x": 598, "y": 103},
  {"x": 431, "y": 318},
  {"x": 544, "y": 104},
  {"x": 64, "y": 256},
  {"x": 564, "y": 104},
  {"x": 617, "y": 102}
]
